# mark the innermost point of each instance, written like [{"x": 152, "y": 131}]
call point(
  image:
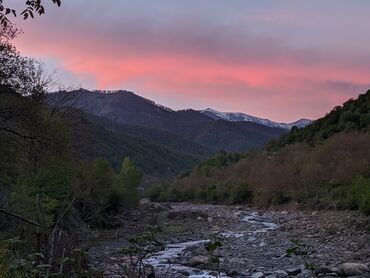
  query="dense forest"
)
[{"x": 326, "y": 164}]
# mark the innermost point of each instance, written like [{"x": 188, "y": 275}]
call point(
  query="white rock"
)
[
  {"x": 257, "y": 275},
  {"x": 280, "y": 274}
]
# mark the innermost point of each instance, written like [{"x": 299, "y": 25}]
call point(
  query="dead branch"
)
[{"x": 20, "y": 218}]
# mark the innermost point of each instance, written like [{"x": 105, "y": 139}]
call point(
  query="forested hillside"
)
[
  {"x": 326, "y": 164},
  {"x": 158, "y": 154},
  {"x": 352, "y": 116}
]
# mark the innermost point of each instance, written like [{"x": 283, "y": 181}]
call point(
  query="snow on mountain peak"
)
[{"x": 241, "y": 117}]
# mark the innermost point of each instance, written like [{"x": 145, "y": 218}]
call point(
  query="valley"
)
[{"x": 109, "y": 183}]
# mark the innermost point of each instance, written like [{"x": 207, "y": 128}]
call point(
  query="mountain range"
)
[{"x": 124, "y": 123}]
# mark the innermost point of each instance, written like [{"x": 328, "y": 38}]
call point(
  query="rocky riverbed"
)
[{"x": 255, "y": 243}]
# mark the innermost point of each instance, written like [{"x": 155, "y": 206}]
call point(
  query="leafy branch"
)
[{"x": 32, "y": 7}]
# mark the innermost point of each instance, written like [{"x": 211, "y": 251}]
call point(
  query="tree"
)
[
  {"x": 32, "y": 7},
  {"x": 23, "y": 85},
  {"x": 130, "y": 177}
]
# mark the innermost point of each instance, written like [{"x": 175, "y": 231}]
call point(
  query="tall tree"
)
[{"x": 131, "y": 178}]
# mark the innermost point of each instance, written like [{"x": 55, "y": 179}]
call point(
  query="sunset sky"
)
[{"x": 281, "y": 60}]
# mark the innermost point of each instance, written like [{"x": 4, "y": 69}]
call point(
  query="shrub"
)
[
  {"x": 358, "y": 195},
  {"x": 154, "y": 192},
  {"x": 280, "y": 198},
  {"x": 241, "y": 194}
]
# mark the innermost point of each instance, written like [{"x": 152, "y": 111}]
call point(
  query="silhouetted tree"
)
[{"x": 31, "y": 7}]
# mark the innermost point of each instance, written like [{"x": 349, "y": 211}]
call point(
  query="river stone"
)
[
  {"x": 333, "y": 274},
  {"x": 257, "y": 275},
  {"x": 293, "y": 271},
  {"x": 233, "y": 272},
  {"x": 280, "y": 274},
  {"x": 144, "y": 201},
  {"x": 352, "y": 269},
  {"x": 184, "y": 272},
  {"x": 197, "y": 260},
  {"x": 329, "y": 269}
]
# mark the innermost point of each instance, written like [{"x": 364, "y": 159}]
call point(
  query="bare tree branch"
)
[{"x": 20, "y": 218}]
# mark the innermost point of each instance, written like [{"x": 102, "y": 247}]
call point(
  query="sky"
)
[{"x": 275, "y": 59}]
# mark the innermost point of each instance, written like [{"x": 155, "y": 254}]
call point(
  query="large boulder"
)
[
  {"x": 197, "y": 260},
  {"x": 353, "y": 269}
]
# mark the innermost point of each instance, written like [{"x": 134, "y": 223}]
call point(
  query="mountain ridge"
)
[
  {"x": 242, "y": 117},
  {"x": 216, "y": 134}
]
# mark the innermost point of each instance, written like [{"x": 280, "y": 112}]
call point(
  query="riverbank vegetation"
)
[{"x": 324, "y": 165}]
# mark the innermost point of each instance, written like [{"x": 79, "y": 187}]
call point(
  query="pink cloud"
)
[{"x": 228, "y": 68}]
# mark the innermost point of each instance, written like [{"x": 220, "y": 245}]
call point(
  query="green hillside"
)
[
  {"x": 154, "y": 136},
  {"x": 96, "y": 139},
  {"x": 352, "y": 116}
]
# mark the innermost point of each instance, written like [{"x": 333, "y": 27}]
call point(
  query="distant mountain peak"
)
[
  {"x": 130, "y": 94},
  {"x": 242, "y": 117}
]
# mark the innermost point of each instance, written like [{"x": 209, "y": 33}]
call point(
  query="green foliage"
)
[
  {"x": 352, "y": 116},
  {"x": 213, "y": 256},
  {"x": 356, "y": 195},
  {"x": 33, "y": 265},
  {"x": 131, "y": 178},
  {"x": 154, "y": 152},
  {"x": 217, "y": 162},
  {"x": 101, "y": 192},
  {"x": 241, "y": 194},
  {"x": 154, "y": 192},
  {"x": 280, "y": 198}
]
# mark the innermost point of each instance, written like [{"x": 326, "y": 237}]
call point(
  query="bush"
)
[
  {"x": 154, "y": 193},
  {"x": 358, "y": 195},
  {"x": 280, "y": 198},
  {"x": 241, "y": 194}
]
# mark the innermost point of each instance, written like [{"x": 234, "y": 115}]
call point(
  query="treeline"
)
[
  {"x": 48, "y": 195},
  {"x": 326, "y": 164}
]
